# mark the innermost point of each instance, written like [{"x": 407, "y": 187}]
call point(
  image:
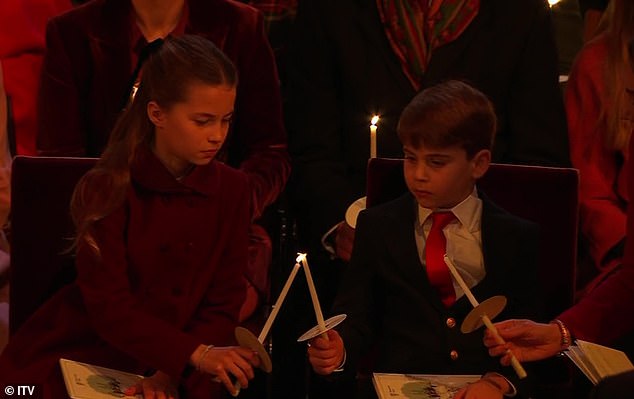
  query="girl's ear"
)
[
  {"x": 155, "y": 113},
  {"x": 481, "y": 162}
]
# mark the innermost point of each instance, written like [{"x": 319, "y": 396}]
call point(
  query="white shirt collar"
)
[{"x": 467, "y": 212}]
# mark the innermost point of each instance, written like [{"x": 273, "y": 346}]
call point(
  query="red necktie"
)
[{"x": 435, "y": 249}]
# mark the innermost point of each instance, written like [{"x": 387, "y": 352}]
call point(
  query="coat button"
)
[
  {"x": 451, "y": 322},
  {"x": 453, "y": 355}
]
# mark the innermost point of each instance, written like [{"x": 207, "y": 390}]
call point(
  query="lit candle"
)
[
  {"x": 373, "y": 123},
  {"x": 313, "y": 295},
  {"x": 278, "y": 303}
]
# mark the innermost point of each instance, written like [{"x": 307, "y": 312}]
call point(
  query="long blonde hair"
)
[
  {"x": 618, "y": 26},
  {"x": 166, "y": 76}
]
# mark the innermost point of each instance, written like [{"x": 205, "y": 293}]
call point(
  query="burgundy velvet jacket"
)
[
  {"x": 86, "y": 78},
  {"x": 168, "y": 278},
  {"x": 603, "y": 173}
]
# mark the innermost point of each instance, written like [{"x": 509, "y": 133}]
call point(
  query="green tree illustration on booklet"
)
[{"x": 106, "y": 385}]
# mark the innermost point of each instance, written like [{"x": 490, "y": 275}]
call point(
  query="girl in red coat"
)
[{"x": 161, "y": 244}]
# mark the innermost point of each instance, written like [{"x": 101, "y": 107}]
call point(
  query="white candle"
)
[
  {"x": 373, "y": 123},
  {"x": 517, "y": 366},
  {"x": 461, "y": 282},
  {"x": 313, "y": 295},
  {"x": 278, "y": 303},
  {"x": 269, "y": 322},
  {"x": 519, "y": 370}
]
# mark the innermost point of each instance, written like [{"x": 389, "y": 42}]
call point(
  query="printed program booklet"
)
[
  {"x": 419, "y": 386},
  {"x": 87, "y": 381},
  {"x": 598, "y": 361}
]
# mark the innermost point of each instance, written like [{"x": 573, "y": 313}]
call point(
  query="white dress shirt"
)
[{"x": 464, "y": 239}]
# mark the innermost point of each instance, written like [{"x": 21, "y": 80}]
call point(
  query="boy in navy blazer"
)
[{"x": 395, "y": 302}]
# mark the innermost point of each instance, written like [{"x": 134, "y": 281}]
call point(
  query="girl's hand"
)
[
  {"x": 234, "y": 360},
  {"x": 157, "y": 386}
]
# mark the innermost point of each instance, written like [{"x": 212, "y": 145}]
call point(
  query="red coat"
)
[
  {"x": 22, "y": 25},
  {"x": 86, "y": 78},
  {"x": 168, "y": 280},
  {"x": 603, "y": 176},
  {"x": 605, "y": 314}
]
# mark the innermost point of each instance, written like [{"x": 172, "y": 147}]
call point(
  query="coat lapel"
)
[
  {"x": 111, "y": 54},
  {"x": 369, "y": 21},
  {"x": 401, "y": 246},
  {"x": 451, "y": 53},
  {"x": 493, "y": 251}
]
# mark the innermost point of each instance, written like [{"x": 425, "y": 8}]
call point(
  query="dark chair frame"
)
[{"x": 41, "y": 230}]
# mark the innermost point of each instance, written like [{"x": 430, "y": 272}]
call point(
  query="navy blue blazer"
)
[{"x": 392, "y": 306}]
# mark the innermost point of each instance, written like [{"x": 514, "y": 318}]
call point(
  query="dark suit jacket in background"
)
[
  {"x": 342, "y": 70},
  {"x": 390, "y": 302},
  {"x": 87, "y": 71}
]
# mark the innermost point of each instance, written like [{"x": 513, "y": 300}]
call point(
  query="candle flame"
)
[
  {"x": 300, "y": 257},
  {"x": 374, "y": 120},
  {"x": 553, "y": 2}
]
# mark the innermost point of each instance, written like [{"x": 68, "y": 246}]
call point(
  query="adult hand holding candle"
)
[
  {"x": 519, "y": 370},
  {"x": 373, "y": 122}
]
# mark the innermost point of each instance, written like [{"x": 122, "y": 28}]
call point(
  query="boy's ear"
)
[
  {"x": 481, "y": 162},
  {"x": 155, "y": 113}
]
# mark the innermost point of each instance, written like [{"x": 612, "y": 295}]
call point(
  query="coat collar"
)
[
  {"x": 148, "y": 171},
  {"x": 401, "y": 245},
  {"x": 468, "y": 212},
  {"x": 114, "y": 28},
  {"x": 111, "y": 48}
]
